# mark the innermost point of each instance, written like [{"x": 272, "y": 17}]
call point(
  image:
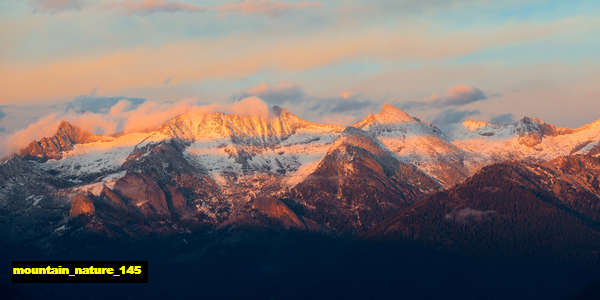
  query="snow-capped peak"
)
[
  {"x": 392, "y": 114},
  {"x": 388, "y": 115},
  {"x": 196, "y": 126}
]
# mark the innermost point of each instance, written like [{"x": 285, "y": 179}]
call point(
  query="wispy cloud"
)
[
  {"x": 56, "y": 6},
  {"x": 284, "y": 92},
  {"x": 342, "y": 109},
  {"x": 264, "y": 7},
  {"x": 241, "y": 55},
  {"x": 147, "y": 7},
  {"x": 83, "y": 104},
  {"x": 451, "y": 116},
  {"x": 248, "y": 7},
  {"x": 457, "y": 96}
]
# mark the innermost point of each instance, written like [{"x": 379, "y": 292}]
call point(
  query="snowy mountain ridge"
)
[{"x": 286, "y": 146}]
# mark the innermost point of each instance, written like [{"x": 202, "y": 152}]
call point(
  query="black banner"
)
[{"x": 79, "y": 271}]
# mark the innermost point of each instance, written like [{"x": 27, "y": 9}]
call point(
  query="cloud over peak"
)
[
  {"x": 283, "y": 92},
  {"x": 111, "y": 115}
]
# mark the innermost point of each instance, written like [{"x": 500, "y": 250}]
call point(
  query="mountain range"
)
[
  {"x": 388, "y": 175},
  {"x": 277, "y": 197}
]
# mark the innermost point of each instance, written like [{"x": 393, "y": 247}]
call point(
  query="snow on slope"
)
[
  {"x": 97, "y": 158},
  {"x": 416, "y": 142},
  {"x": 287, "y": 157},
  {"x": 97, "y": 187},
  {"x": 528, "y": 138},
  {"x": 221, "y": 143}
]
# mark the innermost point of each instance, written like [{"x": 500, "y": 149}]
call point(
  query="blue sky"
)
[{"x": 535, "y": 58}]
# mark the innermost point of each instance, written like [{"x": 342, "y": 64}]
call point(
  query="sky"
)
[{"x": 328, "y": 61}]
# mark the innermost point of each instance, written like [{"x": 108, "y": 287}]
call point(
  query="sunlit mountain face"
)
[{"x": 304, "y": 149}]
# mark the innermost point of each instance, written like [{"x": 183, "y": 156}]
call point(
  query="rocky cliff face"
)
[{"x": 159, "y": 189}]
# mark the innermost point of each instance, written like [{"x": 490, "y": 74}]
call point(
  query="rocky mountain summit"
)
[{"x": 65, "y": 138}]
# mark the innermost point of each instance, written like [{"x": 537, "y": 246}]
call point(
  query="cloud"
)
[
  {"x": 410, "y": 105},
  {"x": 249, "y": 7},
  {"x": 2, "y": 113},
  {"x": 342, "y": 109},
  {"x": 243, "y": 54},
  {"x": 282, "y": 93},
  {"x": 56, "y": 6},
  {"x": 451, "y": 116},
  {"x": 287, "y": 93},
  {"x": 503, "y": 118},
  {"x": 458, "y": 96},
  {"x": 93, "y": 104},
  {"x": 263, "y": 7},
  {"x": 147, "y": 7},
  {"x": 251, "y": 106},
  {"x": 352, "y": 104},
  {"x": 46, "y": 126}
]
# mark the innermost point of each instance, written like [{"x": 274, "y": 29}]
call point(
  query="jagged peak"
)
[
  {"x": 279, "y": 124},
  {"x": 392, "y": 113},
  {"x": 76, "y": 134},
  {"x": 65, "y": 124},
  {"x": 276, "y": 114},
  {"x": 529, "y": 124},
  {"x": 388, "y": 115},
  {"x": 66, "y": 136}
]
